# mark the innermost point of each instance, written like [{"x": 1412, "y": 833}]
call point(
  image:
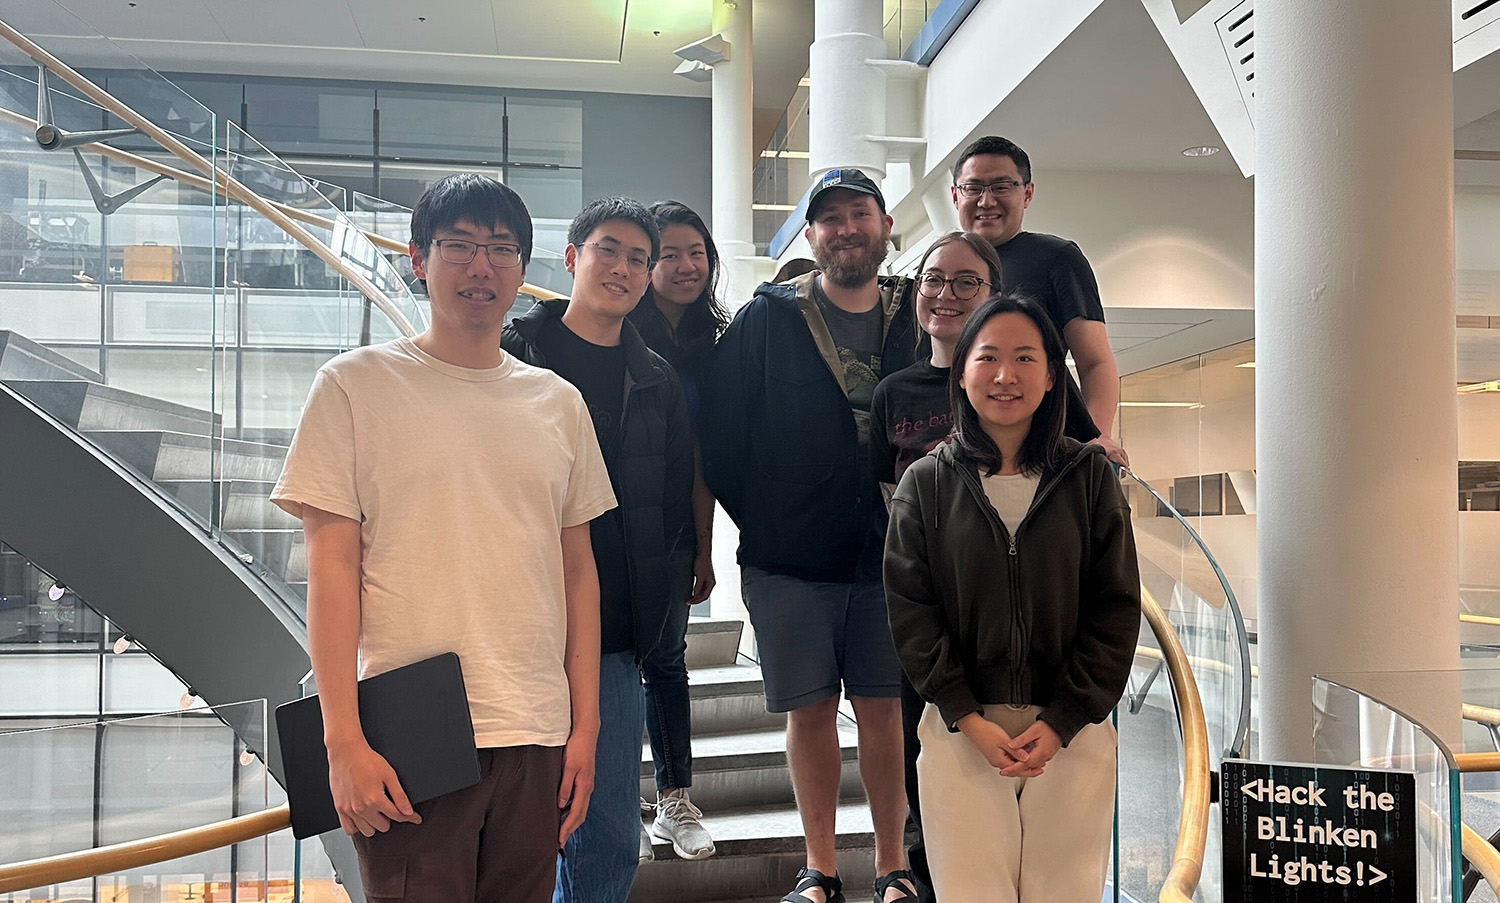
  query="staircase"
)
[
  {"x": 741, "y": 783},
  {"x": 739, "y": 749}
]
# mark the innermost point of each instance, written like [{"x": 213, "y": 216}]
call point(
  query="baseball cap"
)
[{"x": 852, "y": 179}]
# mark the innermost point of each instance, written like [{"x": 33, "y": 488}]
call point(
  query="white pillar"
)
[
  {"x": 733, "y": 153},
  {"x": 846, "y": 97},
  {"x": 1356, "y": 407}
]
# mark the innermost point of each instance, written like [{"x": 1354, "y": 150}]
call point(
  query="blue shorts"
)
[{"x": 813, "y": 638}]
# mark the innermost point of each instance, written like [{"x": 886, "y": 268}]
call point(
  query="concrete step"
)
[
  {"x": 730, "y": 698},
  {"x": 243, "y": 505},
  {"x": 21, "y": 358},
  {"x": 167, "y": 456},
  {"x": 272, "y": 549},
  {"x": 736, "y": 771},
  {"x": 759, "y": 853},
  {"x": 86, "y": 406},
  {"x": 713, "y": 642}
]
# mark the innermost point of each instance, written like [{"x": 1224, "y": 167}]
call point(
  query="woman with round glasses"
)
[{"x": 910, "y": 415}]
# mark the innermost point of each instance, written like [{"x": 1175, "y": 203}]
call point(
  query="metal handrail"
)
[
  {"x": 1192, "y": 832},
  {"x": 119, "y": 857},
  {"x": 1240, "y": 744},
  {"x": 231, "y": 186},
  {"x": 289, "y": 219}
]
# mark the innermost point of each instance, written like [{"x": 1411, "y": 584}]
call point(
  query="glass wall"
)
[{"x": 102, "y": 743}]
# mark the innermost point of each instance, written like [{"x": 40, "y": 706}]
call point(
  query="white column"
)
[
  {"x": 846, "y": 97},
  {"x": 1355, "y": 374},
  {"x": 733, "y": 154}
]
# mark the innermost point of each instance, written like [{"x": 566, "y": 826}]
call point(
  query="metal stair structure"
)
[
  {"x": 741, "y": 782},
  {"x": 739, "y": 749}
]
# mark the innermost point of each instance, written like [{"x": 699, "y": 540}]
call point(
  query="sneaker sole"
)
[{"x": 681, "y": 853}]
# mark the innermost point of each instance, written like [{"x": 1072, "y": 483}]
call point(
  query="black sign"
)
[{"x": 1310, "y": 833}]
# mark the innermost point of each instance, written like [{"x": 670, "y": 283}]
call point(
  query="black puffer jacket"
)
[
  {"x": 779, "y": 440},
  {"x": 1047, "y": 617},
  {"x": 651, "y": 466}
]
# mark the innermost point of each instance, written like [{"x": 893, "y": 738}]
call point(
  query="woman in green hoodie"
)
[{"x": 1014, "y": 599}]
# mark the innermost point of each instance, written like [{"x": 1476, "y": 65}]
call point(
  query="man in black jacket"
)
[
  {"x": 644, "y": 548},
  {"x": 784, "y": 440}
]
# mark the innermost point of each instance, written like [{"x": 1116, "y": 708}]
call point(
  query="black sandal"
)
[
  {"x": 893, "y": 880},
  {"x": 810, "y": 879}
]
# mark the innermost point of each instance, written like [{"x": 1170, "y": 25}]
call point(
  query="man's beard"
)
[{"x": 850, "y": 271}]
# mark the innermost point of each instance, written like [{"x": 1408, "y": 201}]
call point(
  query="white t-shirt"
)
[
  {"x": 462, "y": 481},
  {"x": 1011, "y": 495}
]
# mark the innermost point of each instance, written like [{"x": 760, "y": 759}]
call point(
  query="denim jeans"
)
[
  {"x": 667, "y": 704},
  {"x": 599, "y": 861}
]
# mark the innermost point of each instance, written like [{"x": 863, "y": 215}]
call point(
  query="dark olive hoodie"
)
[{"x": 1048, "y": 616}]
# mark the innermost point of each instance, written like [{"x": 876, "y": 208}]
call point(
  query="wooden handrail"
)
[
  {"x": 132, "y": 854},
  {"x": 1482, "y": 714},
  {"x": 1469, "y": 763},
  {"x": 1482, "y": 855},
  {"x": 1479, "y": 619},
  {"x": 1192, "y": 832}
]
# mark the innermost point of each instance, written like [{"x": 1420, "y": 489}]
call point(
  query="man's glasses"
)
[
  {"x": 1000, "y": 189},
  {"x": 635, "y": 263},
  {"x": 456, "y": 250},
  {"x": 964, "y": 287}
]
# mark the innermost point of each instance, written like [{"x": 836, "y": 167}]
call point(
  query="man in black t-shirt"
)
[
  {"x": 992, "y": 188},
  {"x": 644, "y": 548}
]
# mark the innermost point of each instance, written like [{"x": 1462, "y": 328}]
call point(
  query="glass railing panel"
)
[
  {"x": 1149, "y": 785},
  {"x": 72, "y": 787},
  {"x": 1354, "y": 725},
  {"x": 1179, "y": 571},
  {"x": 1481, "y": 734}
]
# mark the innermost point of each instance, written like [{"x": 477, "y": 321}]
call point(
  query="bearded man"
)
[{"x": 785, "y": 439}]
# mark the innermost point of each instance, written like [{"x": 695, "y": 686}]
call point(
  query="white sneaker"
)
[
  {"x": 646, "y": 854},
  {"x": 678, "y": 822}
]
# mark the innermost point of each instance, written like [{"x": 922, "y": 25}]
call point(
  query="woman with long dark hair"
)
[
  {"x": 1014, "y": 598},
  {"x": 680, "y": 319}
]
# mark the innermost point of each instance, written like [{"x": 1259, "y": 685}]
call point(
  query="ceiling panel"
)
[
  {"x": 595, "y": 30},
  {"x": 33, "y": 18},
  {"x": 451, "y": 26},
  {"x": 297, "y": 22},
  {"x": 162, "y": 20}
]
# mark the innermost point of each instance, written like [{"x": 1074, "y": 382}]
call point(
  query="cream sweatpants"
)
[{"x": 993, "y": 839}]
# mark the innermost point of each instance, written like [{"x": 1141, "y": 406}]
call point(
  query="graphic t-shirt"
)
[
  {"x": 909, "y": 417},
  {"x": 859, "y": 338},
  {"x": 461, "y": 481},
  {"x": 1054, "y": 273},
  {"x": 599, "y": 373}
]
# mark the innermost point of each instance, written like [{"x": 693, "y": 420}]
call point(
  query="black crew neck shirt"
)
[
  {"x": 598, "y": 372},
  {"x": 1053, "y": 272}
]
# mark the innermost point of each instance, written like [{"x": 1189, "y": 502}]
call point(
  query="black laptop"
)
[{"x": 416, "y": 716}]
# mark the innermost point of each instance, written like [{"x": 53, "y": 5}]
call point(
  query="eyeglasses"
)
[
  {"x": 1000, "y": 189},
  {"x": 635, "y": 263},
  {"x": 456, "y": 250},
  {"x": 964, "y": 287}
]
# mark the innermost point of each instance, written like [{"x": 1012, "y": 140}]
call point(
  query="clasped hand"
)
[{"x": 1023, "y": 756}]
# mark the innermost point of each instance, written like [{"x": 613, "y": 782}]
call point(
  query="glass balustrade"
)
[
  {"x": 154, "y": 306},
  {"x": 1356, "y": 725}
]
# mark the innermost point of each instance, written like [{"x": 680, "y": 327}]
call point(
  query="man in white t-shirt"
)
[{"x": 445, "y": 491}]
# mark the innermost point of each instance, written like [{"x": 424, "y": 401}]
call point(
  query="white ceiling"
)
[
  {"x": 619, "y": 46},
  {"x": 1110, "y": 97}
]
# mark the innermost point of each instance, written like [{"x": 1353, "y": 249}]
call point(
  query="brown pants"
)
[{"x": 495, "y": 842}]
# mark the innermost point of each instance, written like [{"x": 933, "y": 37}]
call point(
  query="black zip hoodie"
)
[{"x": 1048, "y": 616}]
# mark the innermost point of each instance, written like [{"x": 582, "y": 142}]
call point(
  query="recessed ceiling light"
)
[{"x": 1201, "y": 150}]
